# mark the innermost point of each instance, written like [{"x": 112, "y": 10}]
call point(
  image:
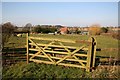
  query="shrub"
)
[
  {"x": 7, "y": 31},
  {"x": 95, "y": 29},
  {"x": 44, "y": 71},
  {"x": 104, "y": 30}
]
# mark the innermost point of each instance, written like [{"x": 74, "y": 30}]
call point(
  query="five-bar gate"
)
[{"x": 62, "y": 52}]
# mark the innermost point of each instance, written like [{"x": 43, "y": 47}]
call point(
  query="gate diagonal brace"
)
[
  {"x": 35, "y": 54},
  {"x": 71, "y": 54},
  {"x": 40, "y": 49}
]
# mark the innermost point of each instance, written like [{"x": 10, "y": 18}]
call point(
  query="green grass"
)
[
  {"x": 34, "y": 70},
  {"x": 19, "y": 42},
  {"x": 106, "y": 42},
  {"x": 103, "y": 42},
  {"x": 43, "y": 71}
]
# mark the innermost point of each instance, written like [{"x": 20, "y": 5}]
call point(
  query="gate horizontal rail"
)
[{"x": 57, "y": 53}]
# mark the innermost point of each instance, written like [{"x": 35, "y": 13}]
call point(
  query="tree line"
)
[
  {"x": 42, "y": 29},
  {"x": 8, "y": 29}
]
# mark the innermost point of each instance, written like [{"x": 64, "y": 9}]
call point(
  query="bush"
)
[
  {"x": 104, "y": 30},
  {"x": 7, "y": 31},
  {"x": 44, "y": 71},
  {"x": 41, "y": 71},
  {"x": 95, "y": 29}
]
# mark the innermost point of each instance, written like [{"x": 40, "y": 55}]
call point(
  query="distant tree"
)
[
  {"x": 58, "y": 26},
  {"x": 95, "y": 29},
  {"x": 43, "y": 29},
  {"x": 77, "y": 31},
  {"x": 104, "y": 30},
  {"x": 27, "y": 27},
  {"x": 37, "y": 29},
  {"x": 53, "y": 30},
  {"x": 7, "y": 31}
]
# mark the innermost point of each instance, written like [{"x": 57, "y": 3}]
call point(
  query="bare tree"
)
[
  {"x": 27, "y": 27},
  {"x": 7, "y": 30}
]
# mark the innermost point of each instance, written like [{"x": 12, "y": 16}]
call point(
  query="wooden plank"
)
[
  {"x": 65, "y": 48},
  {"x": 83, "y": 41},
  {"x": 63, "y": 64},
  {"x": 62, "y": 59},
  {"x": 58, "y": 46},
  {"x": 70, "y": 54},
  {"x": 94, "y": 51},
  {"x": 42, "y": 51},
  {"x": 90, "y": 47},
  {"x": 104, "y": 59},
  {"x": 89, "y": 57},
  {"x": 49, "y": 39},
  {"x": 40, "y": 61},
  {"x": 57, "y": 52},
  {"x": 35, "y": 54},
  {"x": 59, "y": 58},
  {"x": 79, "y": 61}
]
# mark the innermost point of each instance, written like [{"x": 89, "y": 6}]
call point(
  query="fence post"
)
[
  {"x": 94, "y": 44},
  {"x": 89, "y": 57},
  {"x": 27, "y": 45}
]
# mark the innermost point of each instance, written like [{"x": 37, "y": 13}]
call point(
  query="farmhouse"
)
[
  {"x": 79, "y": 30},
  {"x": 64, "y": 30},
  {"x": 115, "y": 29}
]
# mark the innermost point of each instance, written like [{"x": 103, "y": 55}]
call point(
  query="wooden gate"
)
[{"x": 62, "y": 52}]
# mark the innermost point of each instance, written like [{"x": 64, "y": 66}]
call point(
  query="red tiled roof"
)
[{"x": 63, "y": 29}]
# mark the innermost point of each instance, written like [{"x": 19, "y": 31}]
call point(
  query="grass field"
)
[
  {"x": 108, "y": 45},
  {"x": 44, "y": 71}
]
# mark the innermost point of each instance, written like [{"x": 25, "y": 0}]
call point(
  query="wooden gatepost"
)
[{"x": 62, "y": 52}]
